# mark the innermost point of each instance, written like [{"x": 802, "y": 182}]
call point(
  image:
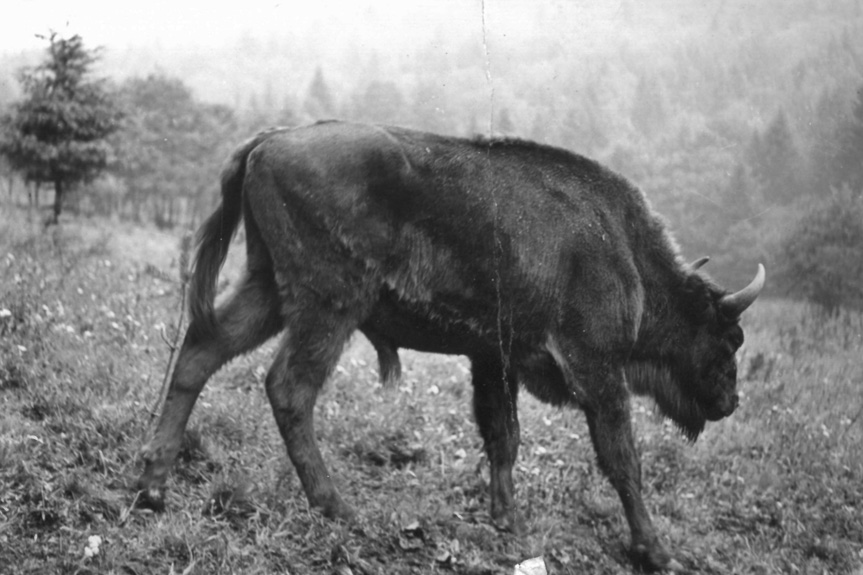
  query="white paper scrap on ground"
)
[{"x": 535, "y": 566}]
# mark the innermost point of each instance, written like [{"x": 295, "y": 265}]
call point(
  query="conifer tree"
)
[
  {"x": 738, "y": 195},
  {"x": 648, "y": 108},
  {"x": 381, "y": 102},
  {"x": 847, "y": 168},
  {"x": 58, "y": 133},
  {"x": 319, "y": 102},
  {"x": 504, "y": 125},
  {"x": 829, "y": 116},
  {"x": 171, "y": 147},
  {"x": 776, "y": 162},
  {"x": 821, "y": 259}
]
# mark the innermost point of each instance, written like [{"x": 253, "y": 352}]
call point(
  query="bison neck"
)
[
  {"x": 655, "y": 380},
  {"x": 654, "y": 369}
]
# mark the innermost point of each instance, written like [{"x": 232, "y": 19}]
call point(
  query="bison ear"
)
[
  {"x": 736, "y": 303},
  {"x": 698, "y": 263}
]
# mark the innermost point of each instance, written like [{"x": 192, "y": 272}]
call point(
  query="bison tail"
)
[{"x": 214, "y": 240}]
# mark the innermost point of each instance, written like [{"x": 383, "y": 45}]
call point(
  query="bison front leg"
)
[
  {"x": 608, "y": 418},
  {"x": 495, "y": 407}
]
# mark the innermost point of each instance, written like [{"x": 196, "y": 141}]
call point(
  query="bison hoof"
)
[
  {"x": 335, "y": 508},
  {"x": 511, "y": 522},
  {"x": 654, "y": 558},
  {"x": 150, "y": 497}
]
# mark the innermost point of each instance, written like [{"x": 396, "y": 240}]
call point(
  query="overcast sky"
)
[{"x": 118, "y": 24}]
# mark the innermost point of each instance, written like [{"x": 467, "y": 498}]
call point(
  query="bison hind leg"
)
[
  {"x": 245, "y": 321},
  {"x": 309, "y": 352}
]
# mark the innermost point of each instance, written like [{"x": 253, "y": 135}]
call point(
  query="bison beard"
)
[{"x": 542, "y": 267}]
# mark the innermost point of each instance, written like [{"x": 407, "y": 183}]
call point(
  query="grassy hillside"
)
[{"x": 774, "y": 489}]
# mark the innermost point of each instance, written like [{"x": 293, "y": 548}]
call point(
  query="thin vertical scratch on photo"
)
[
  {"x": 488, "y": 76},
  {"x": 504, "y": 349}
]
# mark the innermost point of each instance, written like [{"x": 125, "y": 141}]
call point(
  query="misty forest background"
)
[{"x": 742, "y": 122}]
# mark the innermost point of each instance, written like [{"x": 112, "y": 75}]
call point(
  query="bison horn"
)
[
  {"x": 736, "y": 303},
  {"x": 698, "y": 263}
]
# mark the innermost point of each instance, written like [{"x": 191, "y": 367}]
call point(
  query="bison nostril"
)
[{"x": 733, "y": 401}]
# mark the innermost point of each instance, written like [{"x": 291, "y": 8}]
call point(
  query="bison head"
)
[{"x": 686, "y": 360}]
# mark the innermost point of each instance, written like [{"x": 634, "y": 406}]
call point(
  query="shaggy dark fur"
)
[{"x": 541, "y": 266}]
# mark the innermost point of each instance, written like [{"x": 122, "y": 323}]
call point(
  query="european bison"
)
[{"x": 545, "y": 269}]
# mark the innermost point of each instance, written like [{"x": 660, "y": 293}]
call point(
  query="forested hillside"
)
[{"x": 733, "y": 116}]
